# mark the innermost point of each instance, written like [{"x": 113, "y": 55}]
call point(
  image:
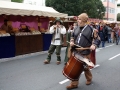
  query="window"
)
[
  {"x": 112, "y": 1},
  {"x": 103, "y": 0},
  {"x": 111, "y": 19},
  {"x": 110, "y": 10},
  {"x": 106, "y": 9}
]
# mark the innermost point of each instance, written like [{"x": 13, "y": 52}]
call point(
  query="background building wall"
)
[
  {"x": 111, "y": 9},
  {"x": 118, "y": 7},
  {"x": 35, "y": 2},
  {"x": 6, "y": 0}
]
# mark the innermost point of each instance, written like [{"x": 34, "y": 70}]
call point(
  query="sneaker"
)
[
  {"x": 46, "y": 62},
  {"x": 58, "y": 62}
]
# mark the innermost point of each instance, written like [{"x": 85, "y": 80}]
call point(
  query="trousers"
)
[
  {"x": 52, "y": 49},
  {"x": 87, "y": 73}
]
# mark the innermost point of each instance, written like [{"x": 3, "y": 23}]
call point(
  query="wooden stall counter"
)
[
  {"x": 26, "y": 44},
  {"x": 7, "y": 46}
]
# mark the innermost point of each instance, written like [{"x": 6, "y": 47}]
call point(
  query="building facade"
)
[
  {"x": 111, "y": 10},
  {"x": 35, "y": 2},
  {"x": 6, "y": 0},
  {"x": 118, "y": 8}
]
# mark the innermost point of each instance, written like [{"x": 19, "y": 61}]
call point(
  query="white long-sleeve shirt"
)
[{"x": 57, "y": 35}]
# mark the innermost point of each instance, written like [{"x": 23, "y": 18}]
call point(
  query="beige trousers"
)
[
  {"x": 88, "y": 76},
  {"x": 87, "y": 72}
]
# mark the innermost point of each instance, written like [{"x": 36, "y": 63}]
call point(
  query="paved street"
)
[{"x": 29, "y": 72}]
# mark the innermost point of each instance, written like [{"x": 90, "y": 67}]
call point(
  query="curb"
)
[{"x": 26, "y": 55}]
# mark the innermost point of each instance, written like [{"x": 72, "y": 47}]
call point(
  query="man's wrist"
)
[{"x": 94, "y": 45}]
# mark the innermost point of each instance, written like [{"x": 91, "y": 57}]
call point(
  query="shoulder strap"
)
[
  {"x": 79, "y": 35},
  {"x": 81, "y": 31},
  {"x": 86, "y": 37}
]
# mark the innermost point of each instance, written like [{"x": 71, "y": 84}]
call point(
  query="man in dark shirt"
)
[
  {"x": 83, "y": 37},
  {"x": 103, "y": 31}
]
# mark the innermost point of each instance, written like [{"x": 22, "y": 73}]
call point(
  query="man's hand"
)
[
  {"x": 54, "y": 27},
  {"x": 71, "y": 43},
  {"x": 70, "y": 28},
  {"x": 92, "y": 47}
]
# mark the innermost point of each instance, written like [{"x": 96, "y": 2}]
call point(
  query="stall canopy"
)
[{"x": 12, "y": 8}]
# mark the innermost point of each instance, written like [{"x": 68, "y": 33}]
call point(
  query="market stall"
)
[
  {"x": 7, "y": 46},
  {"x": 28, "y": 22}
]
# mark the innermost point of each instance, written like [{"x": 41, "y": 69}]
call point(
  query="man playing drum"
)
[{"x": 83, "y": 37}]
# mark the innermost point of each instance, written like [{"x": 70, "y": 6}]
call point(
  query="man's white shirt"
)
[{"x": 57, "y": 35}]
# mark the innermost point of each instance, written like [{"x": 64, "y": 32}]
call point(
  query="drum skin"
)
[{"x": 73, "y": 68}]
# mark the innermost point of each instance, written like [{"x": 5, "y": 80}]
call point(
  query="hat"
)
[
  {"x": 84, "y": 17},
  {"x": 58, "y": 20}
]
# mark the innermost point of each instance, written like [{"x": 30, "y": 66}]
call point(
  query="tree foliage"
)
[
  {"x": 118, "y": 17},
  {"x": 94, "y": 8},
  {"x": 19, "y": 1}
]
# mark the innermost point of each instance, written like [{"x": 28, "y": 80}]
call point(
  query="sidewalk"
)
[{"x": 25, "y": 55}]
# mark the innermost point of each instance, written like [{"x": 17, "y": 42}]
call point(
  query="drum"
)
[
  {"x": 73, "y": 68},
  {"x": 93, "y": 56}
]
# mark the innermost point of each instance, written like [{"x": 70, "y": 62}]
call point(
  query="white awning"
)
[{"x": 12, "y": 8}]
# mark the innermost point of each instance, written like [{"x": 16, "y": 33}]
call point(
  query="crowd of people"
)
[{"x": 108, "y": 32}]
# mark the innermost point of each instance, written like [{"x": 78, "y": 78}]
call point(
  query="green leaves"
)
[
  {"x": 118, "y": 17},
  {"x": 94, "y": 8},
  {"x": 19, "y": 1}
]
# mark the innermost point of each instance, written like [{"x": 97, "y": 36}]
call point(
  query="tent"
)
[{"x": 12, "y": 8}]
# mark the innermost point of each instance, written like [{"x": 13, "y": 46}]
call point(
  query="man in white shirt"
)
[{"x": 57, "y": 40}]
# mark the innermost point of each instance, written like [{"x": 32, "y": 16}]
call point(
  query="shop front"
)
[{"x": 29, "y": 24}]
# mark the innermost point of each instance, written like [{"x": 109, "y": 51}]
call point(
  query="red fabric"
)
[
  {"x": 101, "y": 28},
  {"x": 93, "y": 57},
  {"x": 119, "y": 32}
]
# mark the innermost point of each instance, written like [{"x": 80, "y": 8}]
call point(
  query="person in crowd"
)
[
  {"x": 93, "y": 25},
  {"x": 8, "y": 28},
  {"x": 95, "y": 28},
  {"x": 82, "y": 36},
  {"x": 93, "y": 52},
  {"x": 103, "y": 32},
  {"x": 119, "y": 32},
  {"x": 68, "y": 35},
  {"x": 109, "y": 33},
  {"x": 58, "y": 30},
  {"x": 113, "y": 35},
  {"x": 116, "y": 29},
  {"x": 97, "y": 25}
]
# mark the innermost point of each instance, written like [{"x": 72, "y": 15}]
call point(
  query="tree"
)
[
  {"x": 94, "y": 8},
  {"x": 118, "y": 17},
  {"x": 19, "y": 1},
  {"x": 71, "y": 7}
]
